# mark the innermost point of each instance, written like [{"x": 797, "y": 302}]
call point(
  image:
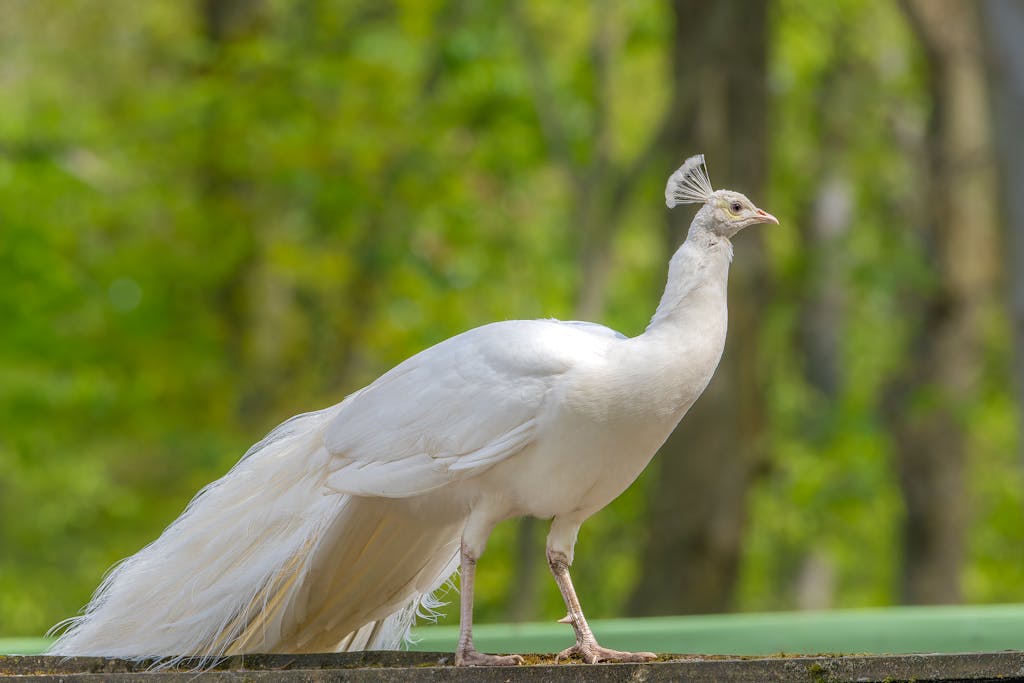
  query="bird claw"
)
[
  {"x": 474, "y": 658},
  {"x": 567, "y": 619},
  {"x": 592, "y": 653}
]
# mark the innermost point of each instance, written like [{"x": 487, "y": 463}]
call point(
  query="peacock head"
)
[{"x": 725, "y": 212}]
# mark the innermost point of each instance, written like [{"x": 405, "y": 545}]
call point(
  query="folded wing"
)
[{"x": 455, "y": 409}]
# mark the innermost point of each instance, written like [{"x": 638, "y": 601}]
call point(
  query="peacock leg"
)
[
  {"x": 586, "y": 645},
  {"x": 465, "y": 653}
]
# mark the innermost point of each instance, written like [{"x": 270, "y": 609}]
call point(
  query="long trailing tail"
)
[{"x": 267, "y": 559}]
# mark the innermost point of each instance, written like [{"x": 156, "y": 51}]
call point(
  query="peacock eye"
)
[{"x": 735, "y": 207}]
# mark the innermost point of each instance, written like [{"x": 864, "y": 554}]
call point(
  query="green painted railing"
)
[
  {"x": 969, "y": 628},
  {"x": 22, "y": 646}
]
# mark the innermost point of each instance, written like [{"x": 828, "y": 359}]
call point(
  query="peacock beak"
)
[{"x": 765, "y": 217}]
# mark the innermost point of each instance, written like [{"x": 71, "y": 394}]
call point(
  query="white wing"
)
[{"x": 455, "y": 409}]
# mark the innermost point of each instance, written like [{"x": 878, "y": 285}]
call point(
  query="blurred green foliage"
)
[{"x": 202, "y": 236}]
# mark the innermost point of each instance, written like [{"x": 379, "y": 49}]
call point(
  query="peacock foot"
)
[
  {"x": 474, "y": 658},
  {"x": 592, "y": 653}
]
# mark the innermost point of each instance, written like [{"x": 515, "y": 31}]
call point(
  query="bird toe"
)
[{"x": 474, "y": 658}]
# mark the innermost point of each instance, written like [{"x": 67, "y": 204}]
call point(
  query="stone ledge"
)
[{"x": 437, "y": 667}]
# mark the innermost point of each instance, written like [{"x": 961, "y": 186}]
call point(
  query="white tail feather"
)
[
  {"x": 266, "y": 559},
  {"x": 690, "y": 184}
]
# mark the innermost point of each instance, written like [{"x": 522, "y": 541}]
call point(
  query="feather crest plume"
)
[{"x": 690, "y": 183}]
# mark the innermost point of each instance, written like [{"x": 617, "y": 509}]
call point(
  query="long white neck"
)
[
  {"x": 673, "y": 360},
  {"x": 697, "y": 281}
]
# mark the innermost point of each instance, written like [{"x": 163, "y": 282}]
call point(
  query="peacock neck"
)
[{"x": 695, "y": 293}]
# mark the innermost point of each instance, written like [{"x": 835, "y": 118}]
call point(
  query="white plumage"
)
[
  {"x": 690, "y": 184},
  {"x": 334, "y": 531}
]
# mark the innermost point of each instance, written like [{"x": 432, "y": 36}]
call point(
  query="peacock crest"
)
[{"x": 690, "y": 184}]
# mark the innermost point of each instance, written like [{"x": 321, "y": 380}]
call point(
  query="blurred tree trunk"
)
[
  {"x": 697, "y": 505},
  {"x": 602, "y": 188},
  {"x": 824, "y": 217},
  {"x": 601, "y": 184},
  {"x": 927, "y": 407},
  {"x": 223, "y": 192},
  {"x": 820, "y": 323},
  {"x": 823, "y": 223},
  {"x": 224, "y": 20},
  {"x": 1003, "y": 24}
]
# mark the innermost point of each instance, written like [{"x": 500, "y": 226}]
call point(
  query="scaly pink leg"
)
[
  {"x": 586, "y": 645},
  {"x": 465, "y": 653}
]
